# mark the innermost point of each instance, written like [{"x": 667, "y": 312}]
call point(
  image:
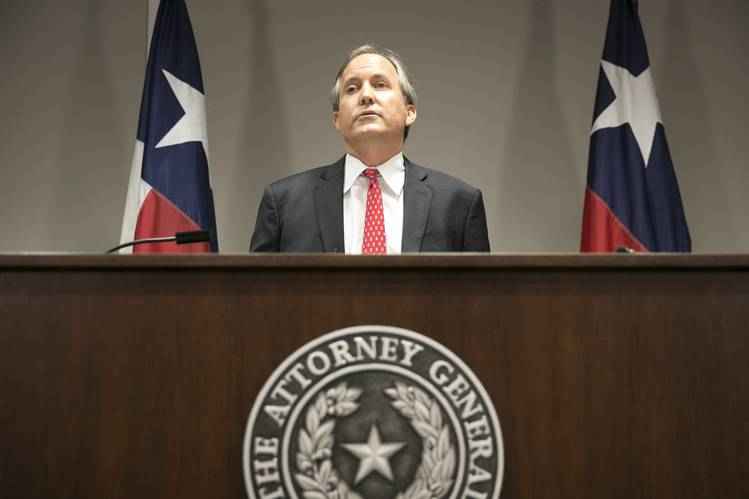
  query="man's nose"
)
[{"x": 366, "y": 95}]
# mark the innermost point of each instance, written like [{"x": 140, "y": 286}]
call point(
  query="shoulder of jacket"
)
[
  {"x": 307, "y": 176},
  {"x": 439, "y": 179}
]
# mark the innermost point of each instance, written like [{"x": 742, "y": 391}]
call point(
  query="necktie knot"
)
[{"x": 371, "y": 174}]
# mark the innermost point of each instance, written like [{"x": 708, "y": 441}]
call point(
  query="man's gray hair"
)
[{"x": 408, "y": 90}]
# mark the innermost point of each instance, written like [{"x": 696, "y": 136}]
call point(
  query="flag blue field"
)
[
  {"x": 169, "y": 188},
  {"x": 632, "y": 198}
]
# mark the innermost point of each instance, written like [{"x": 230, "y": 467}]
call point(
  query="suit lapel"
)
[
  {"x": 329, "y": 207},
  {"x": 415, "y": 207}
]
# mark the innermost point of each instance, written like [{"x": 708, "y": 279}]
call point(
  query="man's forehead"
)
[{"x": 367, "y": 64}]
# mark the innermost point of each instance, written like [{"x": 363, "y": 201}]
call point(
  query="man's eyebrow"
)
[
  {"x": 351, "y": 79},
  {"x": 357, "y": 79}
]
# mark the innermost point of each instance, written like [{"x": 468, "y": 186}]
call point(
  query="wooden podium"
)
[{"x": 612, "y": 376}]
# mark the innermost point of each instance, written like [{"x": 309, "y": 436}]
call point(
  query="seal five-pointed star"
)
[{"x": 373, "y": 455}]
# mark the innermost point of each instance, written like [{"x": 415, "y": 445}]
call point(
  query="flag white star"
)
[
  {"x": 192, "y": 126},
  {"x": 373, "y": 456},
  {"x": 635, "y": 103}
]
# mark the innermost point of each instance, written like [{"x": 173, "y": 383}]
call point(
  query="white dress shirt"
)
[{"x": 355, "y": 185}]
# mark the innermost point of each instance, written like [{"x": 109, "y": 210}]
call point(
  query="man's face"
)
[{"x": 371, "y": 102}]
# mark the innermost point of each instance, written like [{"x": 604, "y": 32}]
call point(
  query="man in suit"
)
[{"x": 373, "y": 200}]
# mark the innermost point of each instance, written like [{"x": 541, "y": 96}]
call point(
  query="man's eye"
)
[
  {"x": 380, "y": 84},
  {"x": 350, "y": 89}
]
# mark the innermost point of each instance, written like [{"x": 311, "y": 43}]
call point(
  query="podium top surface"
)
[{"x": 499, "y": 261}]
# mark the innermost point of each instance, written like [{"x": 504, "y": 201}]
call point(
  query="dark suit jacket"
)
[{"x": 304, "y": 213}]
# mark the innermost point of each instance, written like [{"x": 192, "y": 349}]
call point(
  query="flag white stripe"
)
[
  {"x": 153, "y": 8},
  {"x": 136, "y": 193}
]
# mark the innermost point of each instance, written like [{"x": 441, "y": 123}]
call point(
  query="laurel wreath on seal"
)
[
  {"x": 319, "y": 480},
  {"x": 434, "y": 476}
]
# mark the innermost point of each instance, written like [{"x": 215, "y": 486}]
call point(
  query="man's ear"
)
[
  {"x": 335, "y": 121},
  {"x": 410, "y": 114}
]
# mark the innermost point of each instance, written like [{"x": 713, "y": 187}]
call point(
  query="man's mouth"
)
[{"x": 367, "y": 113}]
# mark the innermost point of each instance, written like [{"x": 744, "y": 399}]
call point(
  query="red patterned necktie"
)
[{"x": 374, "y": 219}]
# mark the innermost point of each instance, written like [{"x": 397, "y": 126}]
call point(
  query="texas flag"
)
[
  {"x": 632, "y": 198},
  {"x": 169, "y": 189}
]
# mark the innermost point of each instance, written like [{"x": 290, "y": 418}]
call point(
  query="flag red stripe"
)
[
  {"x": 602, "y": 230},
  {"x": 158, "y": 217}
]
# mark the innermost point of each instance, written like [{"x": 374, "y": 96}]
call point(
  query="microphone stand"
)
[{"x": 195, "y": 236}]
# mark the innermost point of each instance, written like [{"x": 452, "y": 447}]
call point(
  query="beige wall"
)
[{"x": 506, "y": 94}]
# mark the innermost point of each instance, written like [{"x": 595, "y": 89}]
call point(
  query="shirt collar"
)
[{"x": 393, "y": 172}]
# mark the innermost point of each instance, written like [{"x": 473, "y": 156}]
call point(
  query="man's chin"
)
[{"x": 370, "y": 130}]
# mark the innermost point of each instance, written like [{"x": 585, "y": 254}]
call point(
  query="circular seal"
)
[{"x": 373, "y": 412}]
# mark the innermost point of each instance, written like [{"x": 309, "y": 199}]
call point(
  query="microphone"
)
[
  {"x": 194, "y": 236},
  {"x": 625, "y": 249},
  {"x": 189, "y": 237}
]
